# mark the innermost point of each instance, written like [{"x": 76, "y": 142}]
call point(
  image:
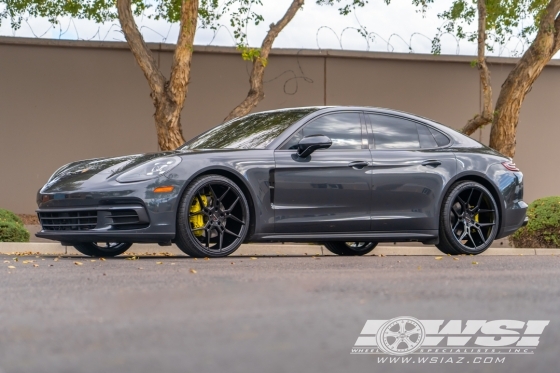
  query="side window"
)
[
  {"x": 344, "y": 129},
  {"x": 394, "y": 133},
  {"x": 441, "y": 139},
  {"x": 427, "y": 141}
]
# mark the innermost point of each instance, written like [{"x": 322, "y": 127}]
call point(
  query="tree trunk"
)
[
  {"x": 168, "y": 96},
  {"x": 485, "y": 117},
  {"x": 521, "y": 79},
  {"x": 256, "y": 92}
]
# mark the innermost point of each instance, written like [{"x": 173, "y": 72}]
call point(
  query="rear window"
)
[
  {"x": 441, "y": 139},
  {"x": 254, "y": 131}
]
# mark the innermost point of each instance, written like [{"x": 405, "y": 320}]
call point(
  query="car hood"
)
[{"x": 76, "y": 173}]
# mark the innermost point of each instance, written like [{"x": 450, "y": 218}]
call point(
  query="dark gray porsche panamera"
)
[{"x": 348, "y": 177}]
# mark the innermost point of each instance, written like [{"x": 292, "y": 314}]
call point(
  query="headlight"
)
[{"x": 149, "y": 170}]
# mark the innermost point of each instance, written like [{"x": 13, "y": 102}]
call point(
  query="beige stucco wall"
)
[{"x": 62, "y": 100}]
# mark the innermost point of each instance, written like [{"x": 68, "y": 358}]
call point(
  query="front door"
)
[{"x": 329, "y": 191}]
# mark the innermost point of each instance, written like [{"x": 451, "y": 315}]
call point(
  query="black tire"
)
[
  {"x": 350, "y": 248},
  {"x": 110, "y": 249},
  {"x": 469, "y": 219},
  {"x": 213, "y": 217}
]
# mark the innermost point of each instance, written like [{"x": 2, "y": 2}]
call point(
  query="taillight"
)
[{"x": 510, "y": 166}]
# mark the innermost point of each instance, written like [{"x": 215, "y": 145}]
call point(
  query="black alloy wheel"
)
[
  {"x": 350, "y": 248},
  {"x": 101, "y": 249},
  {"x": 213, "y": 217},
  {"x": 469, "y": 219}
]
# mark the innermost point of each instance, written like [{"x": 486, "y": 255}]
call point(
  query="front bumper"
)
[{"x": 109, "y": 212}]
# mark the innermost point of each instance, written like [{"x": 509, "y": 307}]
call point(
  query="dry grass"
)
[{"x": 29, "y": 219}]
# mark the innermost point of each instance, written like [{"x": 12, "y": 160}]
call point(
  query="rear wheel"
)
[
  {"x": 469, "y": 219},
  {"x": 350, "y": 248},
  {"x": 100, "y": 249},
  {"x": 213, "y": 217}
]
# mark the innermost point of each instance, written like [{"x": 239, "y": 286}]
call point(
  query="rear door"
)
[
  {"x": 329, "y": 191},
  {"x": 409, "y": 171}
]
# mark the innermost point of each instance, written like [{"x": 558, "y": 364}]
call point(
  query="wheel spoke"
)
[
  {"x": 408, "y": 342},
  {"x": 465, "y": 231},
  {"x": 208, "y": 233},
  {"x": 390, "y": 333},
  {"x": 233, "y": 205},
  {"x": 214, "y": 197},
  {"x": 413, "y": 331},
  {"x": 472, "y": 239},
  {"x": 197, "y": 213},
  {"x": 456, "y": 224},
  {"x": 396, "y": 343},
  {"x": 454, "y": 210},
  {"x": 484, "y": 210},
  {"x": 477, "y": 207},
  {"x": 486, "y": 224},
  {"x": 230, "y": 232},
  {"x": 233, "y": 217},
  {"x": 220, "y": 239},
  {"x": 469, "y": 199},
  {"x": 402, "y": 326},
  {"x": 481, "y": 235},
  {"x": 223, "y": 195},
  {"x": 200, "y": 200}
]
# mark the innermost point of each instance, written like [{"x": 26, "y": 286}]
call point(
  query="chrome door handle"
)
[
  {"x": 431, "y": 162},
  {"x": 358, "y": 165}
]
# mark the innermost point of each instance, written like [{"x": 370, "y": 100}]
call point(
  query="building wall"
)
[{"x": 62, "y": 101}]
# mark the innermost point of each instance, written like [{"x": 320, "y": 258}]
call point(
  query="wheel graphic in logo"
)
[{"x": 401, "y": 336}]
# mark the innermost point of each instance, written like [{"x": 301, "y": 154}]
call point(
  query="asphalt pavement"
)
[{"x": 260, "y": 314}]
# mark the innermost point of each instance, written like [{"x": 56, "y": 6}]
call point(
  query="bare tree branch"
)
[
  {"x": 256, "y": 92},
  {"x": 485, "y": 117},
  {"x": 180, "y": 69},
  {"x": 141, "y": 52}
]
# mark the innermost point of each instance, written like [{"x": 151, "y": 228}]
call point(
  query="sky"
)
[{"x": 397, "y": 27}]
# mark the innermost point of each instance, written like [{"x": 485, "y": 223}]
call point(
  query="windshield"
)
[{"x": 254, "y": 131}]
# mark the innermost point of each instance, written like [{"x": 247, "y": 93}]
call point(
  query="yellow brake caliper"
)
[{"x": 197, "y": 221}]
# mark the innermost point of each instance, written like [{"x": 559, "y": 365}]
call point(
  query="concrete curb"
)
[{"x": 39, "y": 248}]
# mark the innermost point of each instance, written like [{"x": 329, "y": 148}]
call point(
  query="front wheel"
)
[
  {"x": 213, "y": 218},
  {"x": 469, "y": 219},
  {"x": 100, "y": 249},
  {"x": 350, "y": 248}
]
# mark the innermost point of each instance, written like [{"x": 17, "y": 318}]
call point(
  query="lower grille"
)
[
  {"x": 68, "y": 220},
  {"x": 101, "y": 217}
]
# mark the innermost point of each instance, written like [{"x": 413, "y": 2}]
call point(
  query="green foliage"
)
[
  {"x": 505, "y": 19},
  {"x": 11, "y": 228},
  {"x": 101, "y": 11},
  {"x": 252, "y": 54},
  {"x": 9, "y": 216},
  {"x": 13, "y": 232},
  {"x": 241, "y": 12},
  {"x": 543, "y": 229}
]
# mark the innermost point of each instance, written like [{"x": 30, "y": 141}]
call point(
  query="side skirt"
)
[{"x": 412, "y": 236}]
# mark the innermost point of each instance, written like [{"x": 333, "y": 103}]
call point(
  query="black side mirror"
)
[{"x": 309, "y": 144}]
